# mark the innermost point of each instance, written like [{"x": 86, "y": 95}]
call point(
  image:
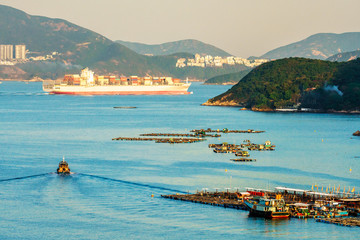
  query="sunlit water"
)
[{"x": 37, "y": 129}]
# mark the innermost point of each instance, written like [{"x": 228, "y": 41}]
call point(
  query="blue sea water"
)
[{"x": 110, "y": 196}]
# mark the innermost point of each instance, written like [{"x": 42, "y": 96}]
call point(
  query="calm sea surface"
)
[{"x": 37, "y": 129}]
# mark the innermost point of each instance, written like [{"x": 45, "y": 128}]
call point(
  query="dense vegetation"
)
[
  {"x": 230, "y": 78},
  {"x": 189, "y": 46},
  {"x": 298, "y": 82},
  {"x": 318, "y": 46}
]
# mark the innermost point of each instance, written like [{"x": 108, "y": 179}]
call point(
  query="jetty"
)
[
  {"x": 220, "y": 199},
  {"x": 348, "y": 222},
  {"x": 327, "y": 207},
  {"x": 243, "y": 160},
  {"x": 225, "y": 130},
  {"x": 160, "y": 140},
  {"x": 179, "y": 135}
]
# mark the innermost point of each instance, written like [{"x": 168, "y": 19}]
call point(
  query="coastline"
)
[
  {"x": 279, "y": 110},
  {"x": 24, "y": 80},
  {"x": 221, "y": 84}
]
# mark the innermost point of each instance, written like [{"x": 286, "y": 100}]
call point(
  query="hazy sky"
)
[{"x": 241, "y": 27}]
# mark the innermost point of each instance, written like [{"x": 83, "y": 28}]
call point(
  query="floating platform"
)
[
  {"x": 225, "y": 130},
  {"x": 161, "y": 140},
  {"x": 220, "y": 199},
  {"x": 179, "y": 135},
  {"x": 124, "y": 107},
  {"x": 348, "y": 222},
  {"x": 243, "y": 160}
]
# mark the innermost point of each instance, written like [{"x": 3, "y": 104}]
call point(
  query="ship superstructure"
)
[{"x": 89, "y": 84}]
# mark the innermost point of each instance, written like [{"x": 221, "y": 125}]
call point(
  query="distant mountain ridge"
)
[
  {"x": 318, "y": 46},
  {"x": 79, "y": 47},
  {"x": 344, "y": 57},
  {"x": 187, "y": 46}
]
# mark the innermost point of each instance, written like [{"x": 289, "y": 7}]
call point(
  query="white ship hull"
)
[{"x": 117, "y": 89}]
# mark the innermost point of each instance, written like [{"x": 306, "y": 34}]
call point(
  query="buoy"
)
[
  {"x": 225, "y": 170},
  {"x": 152, "y": 195}
]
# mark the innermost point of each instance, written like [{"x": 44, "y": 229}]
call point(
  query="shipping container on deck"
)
[
  {"x": 134, "y": 80},
  {"x": 112, "y": 80},
  {"x": 76, "y": 80},
  {"x": 147, "y": 81},
  {"x": 169, "y": 80},
  {"x": 123, "y": 80},
  {"x": 155, "y": 81},
  {"x": 68, "y": 79}
]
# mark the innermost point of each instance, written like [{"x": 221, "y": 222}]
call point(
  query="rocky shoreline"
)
[{"x": 220, "y": 103}]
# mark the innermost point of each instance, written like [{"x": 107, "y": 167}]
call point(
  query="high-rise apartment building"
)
[
  {"x": 20, "y": 51},
  {"x": 6, "y": 52}
]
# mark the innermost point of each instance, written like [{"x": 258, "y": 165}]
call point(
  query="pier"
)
[
  {"x": 225, "y": 130},
  {"x": 301, "y": 204},
  {"x": 220, "y": 199},
  {"x": 179, "y": 135},
  {"x": 348, "y": 222},
  {"x": 160, "y": 140},
  {"x": 243, "y": 160}
]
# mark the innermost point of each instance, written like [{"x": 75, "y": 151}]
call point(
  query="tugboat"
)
[
  {"x": 63, "y": 168},
  {"x": 268, "y": 208}
]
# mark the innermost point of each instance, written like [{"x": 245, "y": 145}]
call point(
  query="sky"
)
[{"x": 241, "y": 27}]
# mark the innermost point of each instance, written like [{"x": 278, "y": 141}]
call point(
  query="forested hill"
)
[
  {"x": 297, "y": 82},
  {"x": 73, "y": 47},
  {"x": 230, "y": 78}
]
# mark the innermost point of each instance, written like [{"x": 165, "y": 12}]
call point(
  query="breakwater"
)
[{"x": 220, "y": 199}]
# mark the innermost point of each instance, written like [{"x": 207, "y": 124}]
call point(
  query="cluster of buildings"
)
[
  {"x": 10, "y": 54},
  {"x": 13, "y": 54},
  {"x": 87, "y": 77},
  {"x": 210, "y": 61}
]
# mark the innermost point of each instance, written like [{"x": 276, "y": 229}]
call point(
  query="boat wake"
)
[
  {"x": 20, "y": 178},
  {"x": 98, "y": 177},
  {"x": 132, "y": 183}
]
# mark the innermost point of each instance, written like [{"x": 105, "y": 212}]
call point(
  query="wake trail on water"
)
[
  {"x": 20, "y": 178},
  {"x": 132, "y": 183},
  {"x": 98, "y": 177}
]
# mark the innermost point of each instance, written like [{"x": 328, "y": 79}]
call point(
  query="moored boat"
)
[{"x": 268, "y": 208}]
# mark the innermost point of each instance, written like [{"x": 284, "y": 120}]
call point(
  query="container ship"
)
[{"x": 89, "y": 84}]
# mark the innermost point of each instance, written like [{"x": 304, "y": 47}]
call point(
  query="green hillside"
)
[
  {"x": 297, "y": 82},
  {"x": 318, "y": 46},
  {"x": 79, "y": 47},
  {"x": 189, "y": 46},
  {"x": 230, "y": 78}
]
